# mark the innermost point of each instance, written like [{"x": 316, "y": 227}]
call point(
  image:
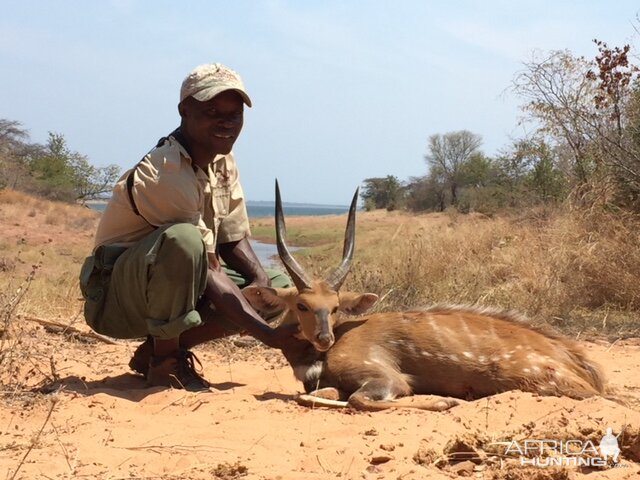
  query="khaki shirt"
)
[{"x": 169, "y": 189}]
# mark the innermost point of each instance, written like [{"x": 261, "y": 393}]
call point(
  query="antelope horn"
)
[
  {"x": 298, "y": 276},
  {"x": 336, "y": 279}
]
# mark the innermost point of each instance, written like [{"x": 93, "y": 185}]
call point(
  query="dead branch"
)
[{"x": 69, "y": 329}]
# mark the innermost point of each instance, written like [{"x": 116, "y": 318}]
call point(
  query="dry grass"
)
[
  {"x": 18, "y": 206},
  {"x": 54, "y": 234}
]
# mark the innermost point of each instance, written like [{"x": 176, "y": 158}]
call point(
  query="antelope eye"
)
[{"x": 302, "y": 307}]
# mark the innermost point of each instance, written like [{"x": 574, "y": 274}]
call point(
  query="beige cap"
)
[{"x": 206, "y": 81}]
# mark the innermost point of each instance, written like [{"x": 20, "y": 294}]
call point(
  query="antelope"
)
[{"x": 451, "y": 352}]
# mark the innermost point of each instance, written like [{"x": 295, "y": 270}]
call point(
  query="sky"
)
[{"x": 342, "y": 90}]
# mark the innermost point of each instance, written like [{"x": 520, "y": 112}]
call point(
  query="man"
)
[{"x": 155, "y": 270}]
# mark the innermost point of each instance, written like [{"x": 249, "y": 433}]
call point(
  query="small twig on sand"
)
[
  {"x": 64, "y": 450},
  {"x": 345, "y": 473},
  {"x": 256, "y": 443},
  {"x": 613, "y": 343},
  {"x": 69, "y": 328},
  {"x": 320, "y": 463},
  {"x": 54, "y": 400},
  {"x": 178, "y": 448}
]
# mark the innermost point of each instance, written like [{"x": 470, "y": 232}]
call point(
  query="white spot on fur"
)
[
  {"x": 518, "y": 347},
  {"x": 525, "y": 370},
  {"x": 387, "y": 396},
  {"x": 536, "y": 369},
  {"x": 506, "y": 356},
  {"x": 472, "y": 338},
  {"x": 453, "y": 357},
  {"x": 306, "y": 373},
  {"x": 482, "y": 359},
  {"x": 468, "y": 354},
  {"x": 367, "y": 362},
  {"x": 425, "y": 353}
]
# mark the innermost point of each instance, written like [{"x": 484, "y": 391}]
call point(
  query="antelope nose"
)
[{"x": 324, "y": 339}]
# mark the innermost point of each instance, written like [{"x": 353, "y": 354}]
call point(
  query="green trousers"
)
[{"x": 154, "y": 287}]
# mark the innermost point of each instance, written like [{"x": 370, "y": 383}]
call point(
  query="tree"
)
[
  {"x": 426, "y": 193},
  {"x": 12, "y": 136},
  {"x": 448, "y": 156},
  {"x": 63, "y": 174},
  {"x": 559, "y": 96},
  {"x": 617, "y": 97},
  {"x": 91, "y": 182},
  {"x": 382, "y": 192},
  {"x": 52, "y": 169},
  {"x": 586, "y": 108},
  {"x": 13, "y": 170},
  {"x": 544, "y": 179},
  {"x": 478, "y": 171}
]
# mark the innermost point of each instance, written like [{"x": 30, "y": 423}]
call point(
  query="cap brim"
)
[{"x": 208, "y": 93}]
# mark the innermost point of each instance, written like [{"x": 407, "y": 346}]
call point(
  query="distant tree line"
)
[
  {"x": 51, "y": 170},
  {"x": 584, "y": 147}
]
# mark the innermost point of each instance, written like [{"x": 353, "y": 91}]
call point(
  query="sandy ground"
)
[{"x": 97, "y": 420}]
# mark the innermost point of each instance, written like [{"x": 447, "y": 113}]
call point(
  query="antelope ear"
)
[
  {"x": 356, "y": 303},
  {"x": 266, "y": 298}
]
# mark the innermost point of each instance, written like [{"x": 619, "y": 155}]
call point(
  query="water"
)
[
  {"x": 267, "y": 252},
  {"x": 266, "y": 209}
]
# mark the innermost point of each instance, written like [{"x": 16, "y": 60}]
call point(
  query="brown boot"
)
[
  {"x": 178, "y": 371},
  {"x": 139, "y": 363}
]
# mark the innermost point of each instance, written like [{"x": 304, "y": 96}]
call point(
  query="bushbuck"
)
[{"x": 446, "y": 351}]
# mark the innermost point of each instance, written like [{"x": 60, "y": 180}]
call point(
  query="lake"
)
[
  {"x": 267, "y": 251},
  {"x": 267, "y": 209}
]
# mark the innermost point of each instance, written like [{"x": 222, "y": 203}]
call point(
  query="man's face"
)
[{"x": 213, "y": 126}]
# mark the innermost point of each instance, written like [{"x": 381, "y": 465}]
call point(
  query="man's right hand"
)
[{"x": 284, "y": 338}]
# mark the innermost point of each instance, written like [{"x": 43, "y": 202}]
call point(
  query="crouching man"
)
[{"x": 156, "y": 268}]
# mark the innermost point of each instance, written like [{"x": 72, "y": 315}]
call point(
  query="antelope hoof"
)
[
  {"x": 445, "y": 404},
  {"x": 328, "y": 393}
]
